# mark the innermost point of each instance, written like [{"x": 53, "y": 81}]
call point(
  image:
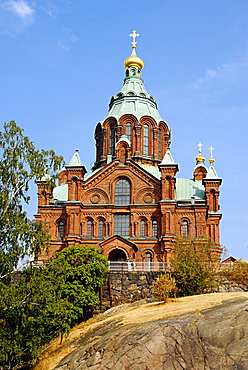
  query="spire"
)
[
  {"x": 75, "y": 167},
  {"x": 212, "y": 174},
  {"x": 211, "y": 159},
  {"x": 134, "y": 60},
  {"x": 75, "y": 161},
  {"x": 168, "y": 159}
]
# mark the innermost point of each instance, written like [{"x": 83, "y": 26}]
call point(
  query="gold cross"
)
[
  {"x": 200, "y": 147},
  {"x": 134, "y": 35},
  {"x": 211, "y": 151}
]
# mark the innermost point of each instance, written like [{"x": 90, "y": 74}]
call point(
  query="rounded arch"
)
[
  {"x": 117, "y": 254},
  {"x": 149, "y": 121},
  {"x": 110, "y": 125},
  {"x": 163, "y": 139},
  {"x": 184, "y": 223},
  {"x": 128, "y": 118},
  {"x": 89, "y": 224},
  {"x": 60, "y": 228},
  {"x": 95, "y": 196},
  {"x": 155, "y": 226},
  {"x": 148, "y": 250},
  {"x": 122, "y": 193},
  {"x": 143, "y": 226},
  {"x": 113, "y": 187},
  {"x": 101, "y": 226}
]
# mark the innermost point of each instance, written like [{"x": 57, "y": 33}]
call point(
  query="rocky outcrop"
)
[{"x": 215, "y": 338}]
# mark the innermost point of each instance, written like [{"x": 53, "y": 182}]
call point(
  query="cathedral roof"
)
[
  {"x": 212, "y": 174},
  {"x": 133, "y": 97},
  {"x": 168, "y": 159},
  {"x": 61, "y": 192},
  {"x": 186, "y": 189},
  {"x": 75, "y": 161}
]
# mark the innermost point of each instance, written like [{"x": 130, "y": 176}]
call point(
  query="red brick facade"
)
[{"x": 132, "y": 205}]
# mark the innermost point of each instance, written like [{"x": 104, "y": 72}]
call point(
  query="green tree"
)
[
  {"x": 236, "y": 273},
  {"x": 81, "y": 271},
  {"x": 46, "y": 302},
  {"x": 20, "y": 162},
  {"x": 192, "y": 266}
]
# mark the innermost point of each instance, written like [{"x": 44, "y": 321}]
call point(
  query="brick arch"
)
[
  {"x": 163, "y": 125},
  {"x": 109, "y": 122},
  {"x": 148, "y": 120},
  {"x": 128, "y": 118},
  {"x": 147, "y": 195},
  {"x": 113, "y": 183},
  {"x": 95, "y": 196}
]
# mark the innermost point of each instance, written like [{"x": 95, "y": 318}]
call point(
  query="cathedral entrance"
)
[{"x": 117, "y": 255}]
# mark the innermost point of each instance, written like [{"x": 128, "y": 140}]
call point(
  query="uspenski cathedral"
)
[{"x": 132, "y": 205}]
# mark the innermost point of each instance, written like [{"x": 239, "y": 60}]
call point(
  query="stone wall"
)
[{"x": 123, "y": 287}]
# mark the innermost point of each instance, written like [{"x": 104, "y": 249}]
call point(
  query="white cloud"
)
[
  {"x": 19, "y": 8},
  {"x": 225, "y": 75},
  {"x": 210, "y": 73},
  {"x": 69, "y": 38}
]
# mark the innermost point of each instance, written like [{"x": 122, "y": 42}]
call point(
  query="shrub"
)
[
  {"x": 164, "y": 287},
  {"x": 237, "y": 272}
]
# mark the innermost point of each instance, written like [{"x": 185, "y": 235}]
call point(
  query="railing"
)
[{"x": 130, "y": 266}]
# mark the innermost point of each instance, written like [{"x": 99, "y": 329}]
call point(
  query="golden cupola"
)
[{"x": 134, "y": 60}]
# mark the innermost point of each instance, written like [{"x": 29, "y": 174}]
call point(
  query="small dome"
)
[
  {"x": 200, "y": 158},
  {"x": 134, "y": 60}
]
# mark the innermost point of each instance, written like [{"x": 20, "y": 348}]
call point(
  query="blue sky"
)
[{"x": 61, "y": 61}]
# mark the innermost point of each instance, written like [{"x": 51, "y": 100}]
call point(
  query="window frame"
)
[
  {"x": 122, "y": 192},
  {"x": 146, "y": 139},
  {"x": 155, "y": 228},
  {"x": 61, "y": 229},
  {"x": 122, "y": 224}
]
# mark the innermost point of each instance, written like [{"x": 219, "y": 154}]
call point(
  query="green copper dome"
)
[{"x": 133, "y": 98}]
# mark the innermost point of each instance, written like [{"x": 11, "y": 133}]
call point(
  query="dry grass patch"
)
[{"x": 55, "y": 352}]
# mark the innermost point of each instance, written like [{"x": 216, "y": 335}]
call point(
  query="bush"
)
[
  {"x": 164, "y": 287},
  {"x": 236, "y": 273}
]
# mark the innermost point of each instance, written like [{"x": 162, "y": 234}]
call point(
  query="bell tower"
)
[{"x": 133, "y": 113}]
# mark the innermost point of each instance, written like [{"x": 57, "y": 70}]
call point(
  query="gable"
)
[{"x": 99, "y": 188}]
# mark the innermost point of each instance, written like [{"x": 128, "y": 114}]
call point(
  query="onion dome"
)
[
  {"x": 200, "y": 157},
  {"x": 134, "y": 60}
]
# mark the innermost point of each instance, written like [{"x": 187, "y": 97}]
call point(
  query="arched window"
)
[
  {"x": 112, "y": 140},
  {"x": 185, "y": 228},
  {"x": 89, "y": 231},
  {"x": 122, "y": 192},
  {"x": 148, "y": 261},
  {"x": 128, "y": 130},
  {"x": 61, "y": 229},
  {"x": 101, "y": 228},
  {"x": 146, "y": 139},
  {"x": 142, "y": 228},
  {"x": 159, "y": 145},
  {"x": 155, "y": 228}
]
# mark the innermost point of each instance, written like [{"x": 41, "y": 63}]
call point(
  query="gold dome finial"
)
[
  {"x": 134, "y": 60},
  {"x": 211, "y": 159},
  {"x": 200, "y": 157}
]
